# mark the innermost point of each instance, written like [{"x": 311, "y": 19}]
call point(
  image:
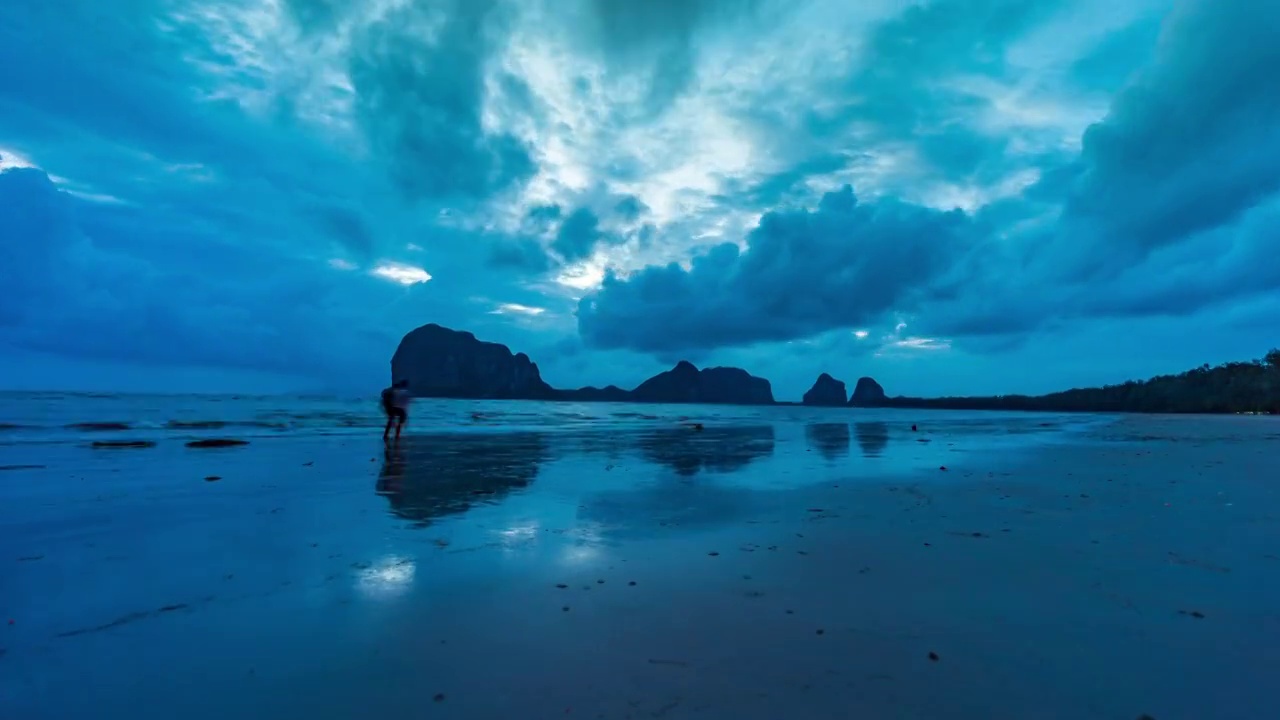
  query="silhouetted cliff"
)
[
  {"x": 439, "y": 362},
  {"x": 719, "y": 385},
  {"x": 610, "y": 393},
  {"x": 867, "y": 393},
  {"x": 826, "y": 391}
]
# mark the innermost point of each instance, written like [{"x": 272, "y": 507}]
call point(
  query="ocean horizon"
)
[{"x": 85, "y": 417}]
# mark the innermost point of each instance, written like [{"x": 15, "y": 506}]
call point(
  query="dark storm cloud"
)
[
  {"x": 1194, "y": 140},
  {"x": 804, "y": 272},
  {"x": 421, "y": 101}
]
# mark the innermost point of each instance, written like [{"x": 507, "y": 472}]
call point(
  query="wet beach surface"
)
[{"x": 813, "y": 567}]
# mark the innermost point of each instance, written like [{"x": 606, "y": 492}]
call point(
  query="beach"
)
[{"x": 623, "y": 562}]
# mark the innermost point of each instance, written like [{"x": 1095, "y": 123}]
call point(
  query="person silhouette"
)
[{"x": 395, "y": 403}]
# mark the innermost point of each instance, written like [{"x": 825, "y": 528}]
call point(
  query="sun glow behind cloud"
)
[
  {"x": 518, "y": 309},
  {"x": 400, "y": 273}
]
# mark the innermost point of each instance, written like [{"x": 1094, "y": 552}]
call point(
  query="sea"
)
[{"x": 85, "y": 417}]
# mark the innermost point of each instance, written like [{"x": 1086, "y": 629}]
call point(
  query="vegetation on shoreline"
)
[{"x": 1234, "y": 387}]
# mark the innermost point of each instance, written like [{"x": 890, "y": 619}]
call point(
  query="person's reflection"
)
[
  {"x": 722, "y": 450},
  {"x": 427, "y": 477},
  {"x": 831, "y": 440},
  {"x": 391, "y": 479},
  {"x": 873, "y": 437}
]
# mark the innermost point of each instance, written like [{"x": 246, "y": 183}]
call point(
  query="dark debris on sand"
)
[
  {"x": 217, "y": 443},
  {"x": 99, "y": 426}
]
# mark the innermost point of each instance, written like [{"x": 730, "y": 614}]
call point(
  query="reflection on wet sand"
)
[
  {"x": 722, "y": 450},
  {"x": 873, "y": 437},
  {"x": 426, "y": 477},
  {"x": 831, "y": 440},
  {"x": 679, "y": 501}
]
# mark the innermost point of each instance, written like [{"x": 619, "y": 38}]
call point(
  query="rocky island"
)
[
  {"x": 444, "y": 363},
  {"x": 867, "y": 393},
  {"x": 826, "y": 392}
]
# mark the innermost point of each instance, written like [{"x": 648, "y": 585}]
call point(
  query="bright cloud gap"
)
[
  {"x": 518, "y": 309},
  {"x": 403, "y": 274}
]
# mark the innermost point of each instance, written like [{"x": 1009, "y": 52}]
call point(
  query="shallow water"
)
[
  {"x": 780, "y": 562},
  {"x": 84, "y": 417}
]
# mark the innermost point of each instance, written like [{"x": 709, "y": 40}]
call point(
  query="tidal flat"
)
[{"x": 807, "y": 564}]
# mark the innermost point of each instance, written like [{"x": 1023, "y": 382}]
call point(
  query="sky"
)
[{"x": 951, "y": 196}]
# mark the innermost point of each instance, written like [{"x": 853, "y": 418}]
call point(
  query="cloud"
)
[
  {"x": 1192, "y": 142},
  {"x": 803, "y": 272},
  {"x": 401, "y": 273},
  {"x": 419, "y": 81},
  {"x": 252, "y": 178},
  {"x": 79, "y": 287},
  {"x": 518, "y": 309},
  {"x": 630, "y": 208},
  {"x": 578, "y": 235},
  {"x": 655, "y": 41}
]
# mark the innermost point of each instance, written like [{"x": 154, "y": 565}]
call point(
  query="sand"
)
[{"x": 787, "y": 571}]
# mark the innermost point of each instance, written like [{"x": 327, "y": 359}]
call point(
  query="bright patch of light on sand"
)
[
  {"x": 518, "y": 536},
  {"x": 403, "y": 274},
  {"x": 517, "y": 309},
  {"x": 340, "y": 264},
  {"x": 860, "y": 334},
  {"x": 387, "y": 578},
  {"x": 587, "y": 545},
  {"x": 578, "y": 554}
]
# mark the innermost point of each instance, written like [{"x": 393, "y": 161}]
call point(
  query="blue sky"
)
[{"x": 953, "y": 196}]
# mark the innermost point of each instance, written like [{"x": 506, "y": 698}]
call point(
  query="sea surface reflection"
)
[
  {"x": 831, "y": 440},
  {"x": 873, "y": 437},
  {"x": 427, "y": 477}
]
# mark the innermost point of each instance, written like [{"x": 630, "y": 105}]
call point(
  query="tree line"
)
[{"x": 1234, "y": 387}]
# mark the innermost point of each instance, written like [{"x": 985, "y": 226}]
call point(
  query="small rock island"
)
[{"x": 826, "y": 392}]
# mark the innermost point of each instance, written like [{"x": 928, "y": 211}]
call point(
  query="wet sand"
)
[{"x": 820, "y": 570}]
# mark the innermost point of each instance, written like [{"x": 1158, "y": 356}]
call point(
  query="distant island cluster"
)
[{"x": 443, "y": 363}]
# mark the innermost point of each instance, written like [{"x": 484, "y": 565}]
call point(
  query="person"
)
[{"x": 395, "y": 403}]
